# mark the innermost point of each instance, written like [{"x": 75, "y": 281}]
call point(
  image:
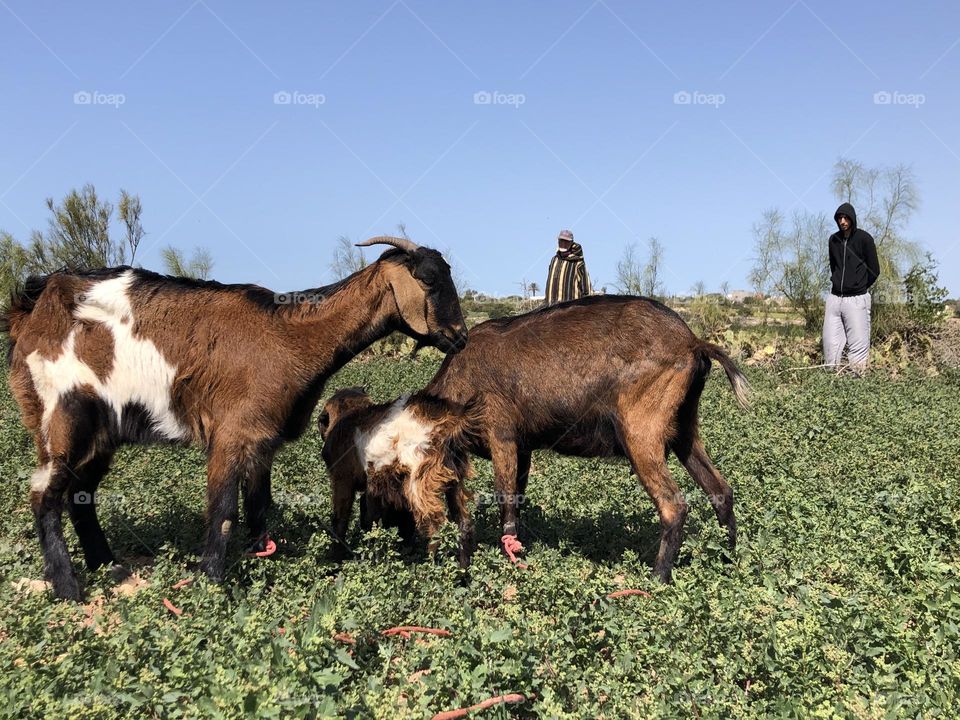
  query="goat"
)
[
  {"x": 405, "y": 456},
  {"x": 107, "y": 357},
  {"x": 599, "y": 376}
]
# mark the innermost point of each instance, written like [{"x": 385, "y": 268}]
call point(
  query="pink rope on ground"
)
[
  {"x": 510, "y": 546},
  {"x": 269, "y": 548}
]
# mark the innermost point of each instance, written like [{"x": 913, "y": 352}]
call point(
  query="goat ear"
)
[
  {"x": 411, "y": 300},
  {"x": 323, "y": 424}
]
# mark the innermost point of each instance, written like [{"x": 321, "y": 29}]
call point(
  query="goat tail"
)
[
  {"x": 465, "y": 424},
  {"x": 738, "y": 381}
]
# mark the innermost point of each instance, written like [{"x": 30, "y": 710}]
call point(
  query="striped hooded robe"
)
[{"x": 567, "y": 278}]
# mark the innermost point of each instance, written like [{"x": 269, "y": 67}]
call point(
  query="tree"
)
[
  {"x": 761, "y": 274},
  {"x": 792, "y": 260},
  {"x": 629, "y": 272},
  {"x": 129, "y": 210},
  {"x": 534, "y": 289},
  {"x": 14, "y": 266},
  {"x": 699, "y": 288},
  {"x": 198, "y": 267},
  {"x": 632, "y": 279},
  {"x": 78, "y": 233},
  {"x": 347, "y": 258},
  {"x": 77, "y": 237},
  {"x": 652, "y": 283}
]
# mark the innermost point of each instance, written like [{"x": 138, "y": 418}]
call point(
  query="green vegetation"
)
[{"x": 843, "y": 599}]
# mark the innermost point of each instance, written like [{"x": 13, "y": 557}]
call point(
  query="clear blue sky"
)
[{"x": 597, "y": 145}]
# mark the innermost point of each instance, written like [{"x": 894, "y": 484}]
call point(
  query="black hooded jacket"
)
[{"x": 853, "y": 261}]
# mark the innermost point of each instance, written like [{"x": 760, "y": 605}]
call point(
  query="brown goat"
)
[
  {"x": 600, "y": 376},
  {"x": 107, "y": 357},
  {"x": 406, "y": 456}
]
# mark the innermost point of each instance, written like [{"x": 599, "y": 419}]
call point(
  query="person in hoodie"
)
[
  {"x": 567, "y": 278},
  {"x": 854, "y": 268}
]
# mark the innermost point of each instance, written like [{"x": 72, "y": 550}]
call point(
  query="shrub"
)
[
  {"x": 709, "y": 318},
  {"x": 919, "y": 314}
]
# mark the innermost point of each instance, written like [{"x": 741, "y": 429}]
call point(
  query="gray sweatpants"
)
[{"x": 846, "y": 322}]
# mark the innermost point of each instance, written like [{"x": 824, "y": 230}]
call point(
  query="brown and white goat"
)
[
  {"x": 406, "y": 456},
  {"x": 600, "y": 376},
  {"x": 120, "y": 355}
]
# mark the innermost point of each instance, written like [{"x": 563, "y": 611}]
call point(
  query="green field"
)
[{"x": 843, "y": 599}]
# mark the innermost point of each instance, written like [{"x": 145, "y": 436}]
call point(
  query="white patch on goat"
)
[
  {"x": 139, "y": 373},
  {"x": 400, "y": 437},
  {"x": 40, "y": 479}
]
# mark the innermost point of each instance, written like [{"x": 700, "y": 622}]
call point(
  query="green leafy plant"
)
[{"x": 842, "y": 599}]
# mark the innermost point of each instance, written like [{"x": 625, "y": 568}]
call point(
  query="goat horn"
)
[{"x": 399, "y": 243}]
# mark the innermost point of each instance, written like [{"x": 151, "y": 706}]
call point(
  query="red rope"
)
[
  {"x": 510, "y": 546},
  {"x": 511, "y": 698}
]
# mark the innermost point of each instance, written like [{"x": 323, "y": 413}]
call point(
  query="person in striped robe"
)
[{"x": 567, "y": 278}]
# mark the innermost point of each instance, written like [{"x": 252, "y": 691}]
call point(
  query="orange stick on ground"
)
[
  {"x": 405, "y": 630},
  {"x": 512, "y": 698},
  {"x": 172, "y": 608},
  {"x": 625, "y": 593},
  {"x": 182, "y": 583}
]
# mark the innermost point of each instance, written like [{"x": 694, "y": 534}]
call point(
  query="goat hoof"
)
[
  {"x": 118, "y": 573},
  {"x": 664, "y": 575},
  {"x": 67, "y": 588},
  {"x": 214, "y": 574}
]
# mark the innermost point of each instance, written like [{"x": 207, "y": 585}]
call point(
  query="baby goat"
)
[{"x": 406, "y": 456}]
